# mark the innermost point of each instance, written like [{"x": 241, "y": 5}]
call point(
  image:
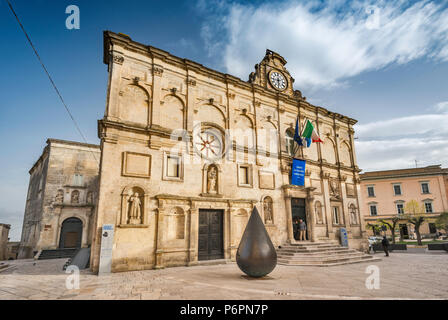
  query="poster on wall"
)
[{"x": 298, "y": 172}]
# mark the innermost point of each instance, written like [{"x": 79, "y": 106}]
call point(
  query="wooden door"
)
[{"x": 211, "y": 244}]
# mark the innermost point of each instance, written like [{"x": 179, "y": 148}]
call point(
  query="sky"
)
[{"x": 384, "y": 63}]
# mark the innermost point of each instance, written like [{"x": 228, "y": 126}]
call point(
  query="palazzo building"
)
[
  {"x": 187, "y": 152},
  {"x": 61, "y": 198},
  {"x": 385, "y": 195}
]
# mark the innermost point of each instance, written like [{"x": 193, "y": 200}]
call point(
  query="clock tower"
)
[{"x": 271, "y": 74}]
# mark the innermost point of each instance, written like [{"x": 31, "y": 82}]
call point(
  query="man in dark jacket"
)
[{"x": 385, "y": 244}]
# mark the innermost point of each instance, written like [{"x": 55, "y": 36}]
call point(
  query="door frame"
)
[
  {"x": 62, "y": 233},
  {"x": 208, "y": 211}
]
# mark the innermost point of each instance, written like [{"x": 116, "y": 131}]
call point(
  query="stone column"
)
[
  {"x": 116, "y": 60},
  {"x": 345, "y": 211},
  {"x": 160, "y": 236},
  {"x": 289, "y": 219},
  {"x": 157, "y": 71},
  {"x": 227, "y": 239},
  {"x": 311, "y": 217},
  {"x": 327, "y": 207},
  {"x": 194, "y": 234}
]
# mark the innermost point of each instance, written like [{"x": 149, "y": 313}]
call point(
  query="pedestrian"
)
[
  {"x": 302, "y": 230},
  {"x": 385, "y": 244}
]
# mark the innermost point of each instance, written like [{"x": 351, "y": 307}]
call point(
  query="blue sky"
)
[{"x": 389, "y": 73}]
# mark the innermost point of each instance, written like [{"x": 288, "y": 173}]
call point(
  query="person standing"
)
[
  {"x": 302, "y": 230},
  {"x": 385, "y": 244}
]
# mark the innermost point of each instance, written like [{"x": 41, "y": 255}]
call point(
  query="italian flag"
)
[{"x": 309, "y": 132}]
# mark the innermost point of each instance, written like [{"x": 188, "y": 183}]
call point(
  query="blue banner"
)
[{"x": 298, "y": 172}]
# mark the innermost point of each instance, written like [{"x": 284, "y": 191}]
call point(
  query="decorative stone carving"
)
[
  {"x": 118, "y": 59},
  {"x": 135, "y": 209},
  {"x": 334, "y": 189},
  {"x": 158, "y": 71},
  {"x": 59, "y": 198},
  {"x": 75, "y": 197},
  {"x": 90, "y": 197},
  {"x": 268, "y": 210},
  {"x": 212, "y": 179},
  {"x": 353, "y": 214},
  {"x": 350, "y": 188}
]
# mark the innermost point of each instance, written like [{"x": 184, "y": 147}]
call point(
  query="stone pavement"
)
[{"x": 402, "y": 276}]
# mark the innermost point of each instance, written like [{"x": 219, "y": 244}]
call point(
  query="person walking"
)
[
  {"x": 302, "y": 230},
  {"x": 385, "y": 244}
]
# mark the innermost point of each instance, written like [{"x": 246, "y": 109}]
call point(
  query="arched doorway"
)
[{"x": 71, "y": 233}]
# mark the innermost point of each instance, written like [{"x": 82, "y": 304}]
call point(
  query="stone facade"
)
[
  {"x": 409, "y": 184},
  {"x": 63, "y": 185},
  {"x": 4, "y": 233},
  {"x": 183, "y": 145}
]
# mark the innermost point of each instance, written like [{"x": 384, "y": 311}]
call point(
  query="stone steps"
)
[
  {"x": 57, "y": 254},
  {"x": 322, "y": 253}
]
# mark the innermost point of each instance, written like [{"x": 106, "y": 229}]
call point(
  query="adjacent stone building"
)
[
  {"x": 4, "y": 234},
  {"x": 61, "y": 198},
  {"x": 187, "y": 152},
  {"x": 385, "y": 194}
]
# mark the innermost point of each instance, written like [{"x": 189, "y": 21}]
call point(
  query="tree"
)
[
  {"x": 414, "y": 214},
  {"x": 376, "y": 228},
  {"x": 392, "y": 225},
  {"x": 442, "y": 221}
]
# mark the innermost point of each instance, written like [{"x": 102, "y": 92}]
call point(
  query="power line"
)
[{"x": 49, "y": 76}]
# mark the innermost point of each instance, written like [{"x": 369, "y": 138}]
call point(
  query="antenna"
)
[{"x": 416, "y": 164}]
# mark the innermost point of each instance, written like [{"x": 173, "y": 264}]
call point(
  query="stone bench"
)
[{"x": 438, "y": 246}]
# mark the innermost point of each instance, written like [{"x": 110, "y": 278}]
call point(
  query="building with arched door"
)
[{"x": 62, "y": 192}]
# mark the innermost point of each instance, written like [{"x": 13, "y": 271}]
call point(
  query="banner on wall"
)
[{"x": 298, "y": 172}]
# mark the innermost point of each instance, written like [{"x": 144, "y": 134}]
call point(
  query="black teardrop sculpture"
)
[{"x": 256, "y": 255}]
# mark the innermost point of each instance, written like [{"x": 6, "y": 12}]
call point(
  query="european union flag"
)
[{"x": 297, "y": 137}]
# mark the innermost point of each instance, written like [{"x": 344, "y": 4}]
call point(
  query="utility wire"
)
[{"x": 49, "y": 76}]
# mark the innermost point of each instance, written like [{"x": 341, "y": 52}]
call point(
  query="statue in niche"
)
[
  {"x": 318, "y": 210},
  {"x": 75, "y": 196},
  {"x": 267, "y": 208},
  {"x": 89, "y": 197},
  {"x": 212, "y": 177},
  {"x": 135, "y": 210},
  {"x": 59, "y": 196},
  {"x": 353, "y": 214}
]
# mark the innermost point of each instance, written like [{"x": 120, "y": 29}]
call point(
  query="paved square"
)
[{"x": 402, "y": 276}]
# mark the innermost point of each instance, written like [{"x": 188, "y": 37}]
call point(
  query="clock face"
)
[
  {"x": 277, "y": 80},
  {"x": 208, "y": 143}
]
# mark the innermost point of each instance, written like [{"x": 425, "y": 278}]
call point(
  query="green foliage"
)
[{"x": 442, "y": 221}]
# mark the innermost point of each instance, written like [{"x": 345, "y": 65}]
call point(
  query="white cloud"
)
[
  {"x": 326, "y": 45},
  {"x": 397, "y": 143},
  {"x": 442, "y": 107}
]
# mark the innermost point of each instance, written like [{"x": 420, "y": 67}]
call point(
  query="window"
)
[
  {"x": 432, "y": 228},
  {"x": 371, "y": 191},
  {"x": 290, "y": 142},
  {"x": 397, "y": 189},
  {"x": 244, "y": 175},
  {"x": 373, "y": 211},
  {"x": 425, "y": 187},
  {"x": 77, "y": 179},
  {"x": 400, "y": 208},
  {"x": 428, "y": 207},
  {"x": 335, "y": 215},
  {"x": 173, "y": 167}
]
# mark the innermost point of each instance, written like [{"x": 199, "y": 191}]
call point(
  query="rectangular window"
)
[
  {"x": 400, "y": 208},
  {"x": 173, "y": 167},
  {"x": 373, "y": 211},
  {"x": 290, "y": 145},
  {"x": 425, "y": 187},
  {"x": 244, "y": 175},
  {"x": 397, "y": 190},
  {"x": 335, "y": 215},
  {"x": 78, "y": 179},
  {"x": 371, "y": 191},
  {"x": 428, "y": 207}
]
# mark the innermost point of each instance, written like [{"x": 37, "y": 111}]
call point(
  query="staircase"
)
[
  {"x": 322, "y": 254},
  {"x": 57, "y": 254}
]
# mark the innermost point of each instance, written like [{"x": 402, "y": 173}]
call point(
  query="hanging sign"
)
[{"x": 298, "y": 172}]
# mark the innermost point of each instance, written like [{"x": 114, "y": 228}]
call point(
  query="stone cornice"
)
[{"x": 111, "y": 38}]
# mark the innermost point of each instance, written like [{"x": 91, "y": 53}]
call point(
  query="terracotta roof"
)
[{"x": 429, "y": 170}]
